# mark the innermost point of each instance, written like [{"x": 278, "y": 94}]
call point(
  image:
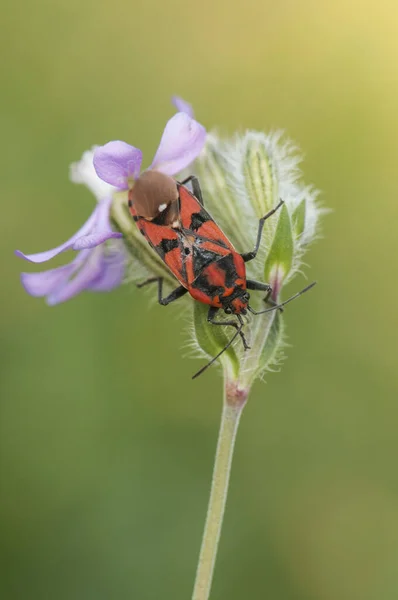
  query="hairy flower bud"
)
[
  {"x": 251, "y": 185},
  {"x": 242, "y": 179}
]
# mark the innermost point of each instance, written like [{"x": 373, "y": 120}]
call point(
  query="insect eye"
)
[
  {"x": 228, "y": 310},
  {"x": 186, "y": 250},
  {"x": 246, "y": 297}
]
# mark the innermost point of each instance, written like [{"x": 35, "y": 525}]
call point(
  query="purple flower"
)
[
  {"x": 100, "y": 262},
  {"x": 97, "y": 266},
  {"x": 183, "y": 106},
  {"x": 119, "y": 164}
]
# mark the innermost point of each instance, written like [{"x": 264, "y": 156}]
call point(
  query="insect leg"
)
[
  {"x": 257, "y": 285},
  {"x": 250, "y": 255},
  {"x": 174, "y": 295},
  {"x": 210, "y": 316},
  {"x": 197, "y": 192}
]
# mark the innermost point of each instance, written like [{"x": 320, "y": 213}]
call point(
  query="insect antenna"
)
[
  {"x": 233, "y": 338},
  {"x": 277, "y": 306}
]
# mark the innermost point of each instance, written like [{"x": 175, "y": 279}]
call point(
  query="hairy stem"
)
[{"x": 234, "y": 401}]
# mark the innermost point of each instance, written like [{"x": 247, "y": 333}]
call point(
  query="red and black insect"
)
[{"x": 200, "y": 256}]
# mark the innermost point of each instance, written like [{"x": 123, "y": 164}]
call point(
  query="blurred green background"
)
[{"x": 106, "y": 443}]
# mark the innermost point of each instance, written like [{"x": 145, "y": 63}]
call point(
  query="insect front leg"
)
[
  {"x": 210, "y": 318},
  {"x": 258, "y": 285},
  {"x": 250, "y": 255},
  {"x": 174, "y": 295},
  {"x": 197, "y": 192},
  {"x": 262, "y": 287}
]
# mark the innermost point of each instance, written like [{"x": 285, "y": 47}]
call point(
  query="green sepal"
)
[
  {"x": 298, "y": 218},
  {"x": 212, "y": 339},
  {"x": 280, "y": 255}
]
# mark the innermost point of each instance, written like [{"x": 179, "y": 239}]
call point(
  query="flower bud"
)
[{"x": 242, "y": 179}]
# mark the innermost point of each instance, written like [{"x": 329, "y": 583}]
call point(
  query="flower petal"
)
[
  {"x": 95, "y": 231},
  {"x": 91, "y": 269},
  {"x": 116, "y": 162},
  {"x": 102, "y": 222},
  {"x": 183, "y": 106},
  {"x": 40, "y": 257},
  {"x": 113, "y": 272},
  {"x": 102, "y": 230},
  {"x": 94, "y": 270},
  {"x": 94, "y": 239},
  {"x": 46, "y": 282},
  {"x": 83, "y": 172},
  {"x": 182, "y": 141}
]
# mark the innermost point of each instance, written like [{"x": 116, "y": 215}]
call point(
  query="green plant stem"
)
[{"x": 234, "y": 401}]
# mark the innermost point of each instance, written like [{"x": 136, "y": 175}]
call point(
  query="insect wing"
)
[
  {"x": 195, "y": 218},
  {"x": 165, "y": 241}
]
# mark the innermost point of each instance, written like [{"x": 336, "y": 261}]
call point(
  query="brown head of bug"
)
[{"x": 155, "y": 198}]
